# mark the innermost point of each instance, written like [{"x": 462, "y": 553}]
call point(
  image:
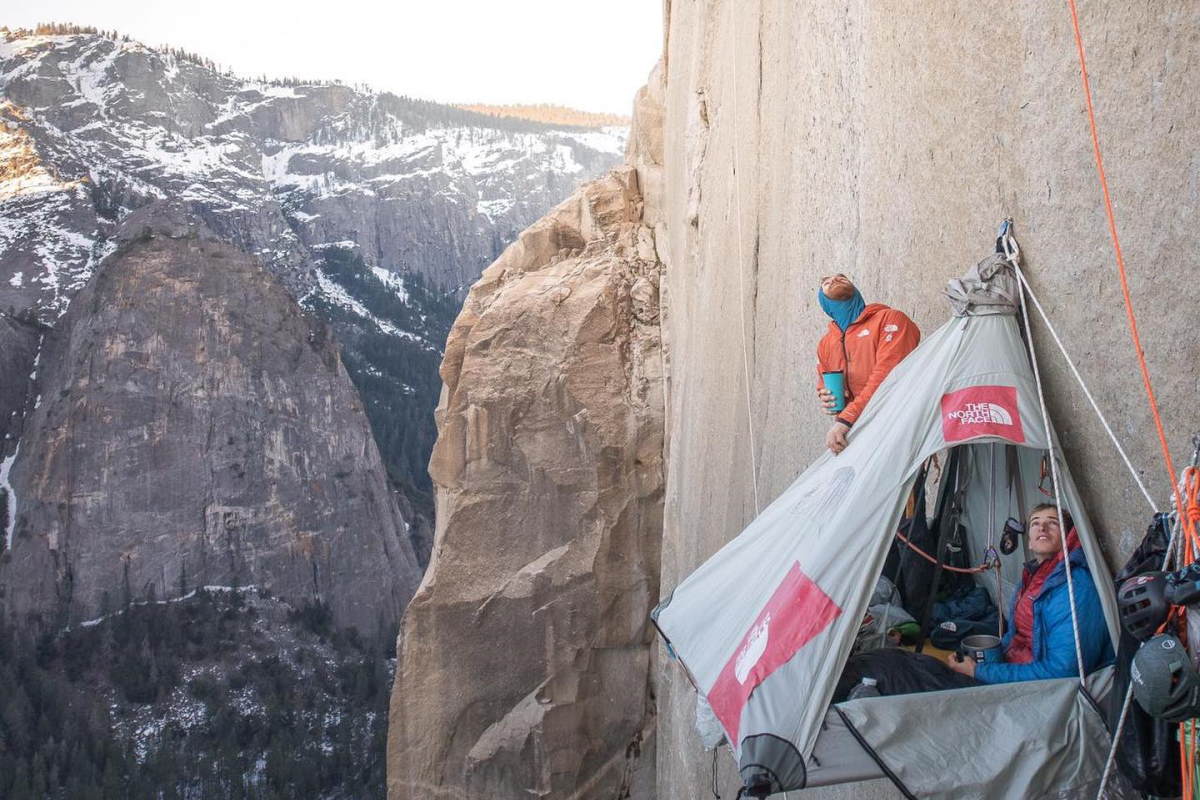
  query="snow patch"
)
[
  {"x": 11, "y": 522},
  {"x": 212, "y": 589},
  {"x": 494, "y": 208},
  {"x": 392, "y": 281},
  {"x": 24, "y": 172},
  {"x": 338, "y": 296},
  {"x": 89, "y": 72}
]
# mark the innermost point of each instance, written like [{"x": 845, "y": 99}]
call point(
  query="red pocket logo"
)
[
  {"x": 982, "y": 411},
  {"x": 797, "y": 611}
]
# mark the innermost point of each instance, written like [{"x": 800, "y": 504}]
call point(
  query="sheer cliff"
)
[
  {"x": 191, "y": 426},
  {"x": 524, "y": 658},
  {"x": 203, "y": 564},
  {"x": 803, "y": 140},
  {"x": 799, "y": 140},
  {"x": 375, "y": 211}
]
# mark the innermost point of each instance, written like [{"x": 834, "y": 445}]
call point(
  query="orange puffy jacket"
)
[{"x": 874, "y": 343}]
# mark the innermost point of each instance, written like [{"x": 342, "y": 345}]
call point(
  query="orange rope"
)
[
  {"x": 932, "y": 560},
  {"x": 1190, "y": 518},
  {"x": 1112, "y": 229},
  {"x": 1190, "y": 515},
  {"x": 1185, "y": 782}
]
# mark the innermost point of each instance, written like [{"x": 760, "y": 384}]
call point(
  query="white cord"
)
[
  {"x": 1012, "y": 253},
  {"x": 1112, "y": 751},
  {"x": 1087, "y": 393},
  {"x": 737, "y": 191}
]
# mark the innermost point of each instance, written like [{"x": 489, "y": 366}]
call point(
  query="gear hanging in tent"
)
[{"x": 765, "y": 626}]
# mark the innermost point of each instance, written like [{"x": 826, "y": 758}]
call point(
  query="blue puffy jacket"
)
[{"x": 1053, "y": 639}]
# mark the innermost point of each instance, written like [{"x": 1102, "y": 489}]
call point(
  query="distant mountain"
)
[
  {"x": 375, "y": 211},
  {"x": 550, "y": 114},
  {"x": 223, "y": 304}
]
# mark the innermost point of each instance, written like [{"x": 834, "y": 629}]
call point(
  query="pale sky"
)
[{"x": 587, "y": 54}]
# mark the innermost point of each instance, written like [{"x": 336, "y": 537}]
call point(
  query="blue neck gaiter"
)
[{"x": 842, "y": 312}]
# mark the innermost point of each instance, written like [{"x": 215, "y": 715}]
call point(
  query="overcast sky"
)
[{"x": 588, "y": 54}]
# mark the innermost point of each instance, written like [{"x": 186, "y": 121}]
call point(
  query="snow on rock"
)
[
  {"x": 337, "y": 295},
  {"x": 392, "y": 281},
  {"x": 280, "y": 169},
  {"x": 11, "y": 522}
]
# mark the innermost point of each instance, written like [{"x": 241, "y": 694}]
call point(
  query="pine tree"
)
[{"x": 112, "y": 787}]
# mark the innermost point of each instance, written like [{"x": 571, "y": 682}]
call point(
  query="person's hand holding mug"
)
[
  {"x": 828, "y": 403},
  {"x": 963, "y": 666}
]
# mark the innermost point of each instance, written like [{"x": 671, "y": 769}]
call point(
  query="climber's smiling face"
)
[
  {"x": 1045, "y": 534},
  {"x": 837, "y": 287}
]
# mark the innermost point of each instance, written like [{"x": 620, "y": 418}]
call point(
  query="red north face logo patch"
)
[
  {"x": 982, "y": 411},
  {"x": 797, "y": 611}
]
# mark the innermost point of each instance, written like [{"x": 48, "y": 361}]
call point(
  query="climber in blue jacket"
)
[{"x": 1040, "y": 642}]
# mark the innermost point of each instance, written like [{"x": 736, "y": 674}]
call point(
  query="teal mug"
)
[{"x": 835, "y": 382}]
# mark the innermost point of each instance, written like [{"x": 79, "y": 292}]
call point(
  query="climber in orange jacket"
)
[{"x": 864, "y": 342}]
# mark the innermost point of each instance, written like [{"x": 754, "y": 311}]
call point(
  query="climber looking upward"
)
[
  {"x": 863, "y": 344},
  {"x": 1041, "y": 640}
]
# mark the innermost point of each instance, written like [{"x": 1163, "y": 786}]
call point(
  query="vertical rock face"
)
[
  {"x": 194, "y": 427},
  {"x": 524, "y": 660},
  {"x": 804, "y": 139},
  {"x": 376, "y": 211},
  {"x": 18, "y": 349}
]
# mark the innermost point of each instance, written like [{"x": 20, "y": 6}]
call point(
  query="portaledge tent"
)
[{"x": 765, "y": 626}]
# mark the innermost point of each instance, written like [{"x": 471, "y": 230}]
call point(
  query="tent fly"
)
[{"x": 766, "y": 625}]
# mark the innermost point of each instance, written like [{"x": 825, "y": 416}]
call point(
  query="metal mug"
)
[{"x": 982, "y": 648}]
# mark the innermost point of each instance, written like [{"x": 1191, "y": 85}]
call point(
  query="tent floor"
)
[{"x": 930, "y": 650}]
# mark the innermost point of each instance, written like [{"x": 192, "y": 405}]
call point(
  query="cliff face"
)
[
  {"x": 524, "y": 659},
  {"x": 796, "y": 141},
  {"x": 807, "y": 139},
  {"x": 194, "y": 427},
  {"x": 374, "y": 210}
]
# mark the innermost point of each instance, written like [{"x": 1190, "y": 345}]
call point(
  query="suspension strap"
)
[
  {"x": 1012, "y": 253},
  {"x": 891, "y": 776}
]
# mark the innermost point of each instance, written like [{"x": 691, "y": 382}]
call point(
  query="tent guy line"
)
[
  {"x": 1013, "y": 253},
  {"x": 1133, "y": 473}
]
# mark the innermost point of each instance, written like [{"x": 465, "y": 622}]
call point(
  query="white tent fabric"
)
[
  {"x": 765, "y": 626},
  {"x": 1029, "y": 740}
]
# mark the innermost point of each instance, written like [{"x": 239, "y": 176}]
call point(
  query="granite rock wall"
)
[
  {"x": 193, "y": 427},
  {"x": 887, "y": 141},
  {"x": 523, "y": 665}
]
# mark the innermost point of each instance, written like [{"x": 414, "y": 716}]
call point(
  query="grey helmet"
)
[
  {"x": 1143, "y": 605},
  {"x": 1164, "y": 681}
]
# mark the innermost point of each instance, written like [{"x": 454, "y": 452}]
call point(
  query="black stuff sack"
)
[{"x": 1148, "y": 753}]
